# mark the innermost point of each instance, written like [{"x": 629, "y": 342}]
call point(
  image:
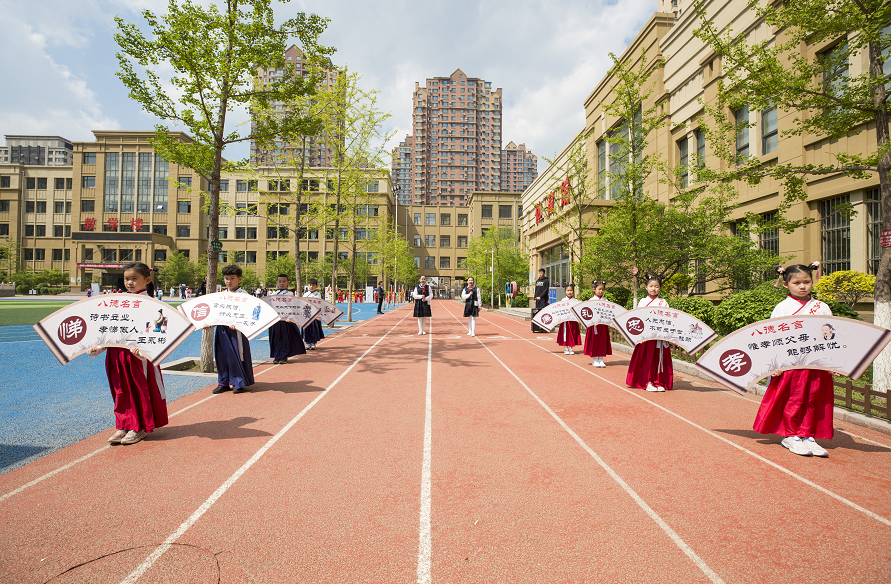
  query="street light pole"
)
[{"x": 492, "y": 292}]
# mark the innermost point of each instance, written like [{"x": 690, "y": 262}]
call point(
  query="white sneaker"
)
[
  {"x": 472, "y": 334},
  {"x": 571, "y": 352},
  {"x": 815, "y": 448},
  {"x": 566, "y": 350},
  {"x": 651, "y": 387},
  {"x": 594, "y": 364},
  {"x": 117, "y": 437},
  {"x": 133, "y": 437},
  {"x": 660, "y": 388},
  {"x": 796, "y": 445}
]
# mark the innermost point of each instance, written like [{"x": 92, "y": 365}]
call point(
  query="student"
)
[
  {"x": 235, "y": 369},
  {"x": 313, "y": 333},
  {"x": 137, "y": 387},
  {"x": 597, "y": 343},
  {"x": 284, "y": 337},
  {"x": 569, "y": 335},
  {"x": 422, "y": 294},
  {"x": 651, "y": 367},
  {"x": 798, "y": 403},
  {"x": 472, "y": 300},
  {"x": 542, "y": 290}
]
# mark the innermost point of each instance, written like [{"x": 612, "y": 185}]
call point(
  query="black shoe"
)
[
  {"x": 242, "y": 390},
  {"x": 221, "y": 389}
]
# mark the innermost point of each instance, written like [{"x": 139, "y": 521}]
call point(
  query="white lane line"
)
[
  {"x": 424, "y": 545},
  {"x": 672, "y": 534},
  {"x": 779, "y": 467},
  {"x": 188, "y": 523}
]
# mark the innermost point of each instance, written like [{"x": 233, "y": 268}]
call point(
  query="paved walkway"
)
[{"x": 390, "y": 457}]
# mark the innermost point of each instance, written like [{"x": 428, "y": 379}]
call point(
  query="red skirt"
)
[
  {"x": 569, "y": 335},
  {"x": 647, "y": 366},
  {"x": 598, "y": 344},
  {"x": 139, "y": 403},
  {"x": 797, "y": 403}
]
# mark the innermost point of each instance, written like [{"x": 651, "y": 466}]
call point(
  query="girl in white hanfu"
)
[
  {"x": 597, "y": 343},
  {"x": 422, "y": 294},
  {"x": 651, "y": 366},
  {"x": 472, "y": 300},
  {"x": 798, "y": 403}
]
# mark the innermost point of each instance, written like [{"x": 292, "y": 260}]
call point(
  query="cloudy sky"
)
[{"x": 59, "y": 59}]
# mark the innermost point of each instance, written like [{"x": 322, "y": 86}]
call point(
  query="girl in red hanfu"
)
[
  {"x": 569, "y": 334},
  {"x": 798, "y": 403},
  {"x": 597, "y": 343},
  {"x": 140, "y": 402},
  {"x": 651, "y": 366}
]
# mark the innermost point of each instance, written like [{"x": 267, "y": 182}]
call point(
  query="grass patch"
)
[{"x": 27, "y": 312}]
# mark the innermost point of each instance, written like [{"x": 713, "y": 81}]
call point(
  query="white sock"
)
[
  {"x": 420, "y": 325},
  {"x": 471, "y": 324}
]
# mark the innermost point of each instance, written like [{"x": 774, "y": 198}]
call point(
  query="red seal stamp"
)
[
  {"x": 735, "y": 363},
  {"x": 72, "y": 330},
  {"x": 200, "y": 312},
  {"x": 635, "y": 326}
]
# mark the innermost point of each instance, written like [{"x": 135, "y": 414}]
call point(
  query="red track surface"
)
[{"x": 542, "y": 469}]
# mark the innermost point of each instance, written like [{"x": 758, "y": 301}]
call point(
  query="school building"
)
[{"x": 690, "y": 74}]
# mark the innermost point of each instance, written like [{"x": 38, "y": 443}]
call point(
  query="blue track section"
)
[{"x": 45, "y": 406}]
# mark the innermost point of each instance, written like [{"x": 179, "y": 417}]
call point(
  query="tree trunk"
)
[
  {"x": 351, "y": 283},
  {"x": 881, "y": 369},
  {"x": 298, "y": 268}
]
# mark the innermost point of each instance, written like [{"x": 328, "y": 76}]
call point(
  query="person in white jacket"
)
[
  {"x": 472, "y": 300},
  {"x": 422, "y": 294}
]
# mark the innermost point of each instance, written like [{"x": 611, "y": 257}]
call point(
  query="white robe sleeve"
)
[{"x": 465, "y": 294}]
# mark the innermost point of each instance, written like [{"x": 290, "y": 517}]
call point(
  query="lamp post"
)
[{"x": 492, "y": 269}]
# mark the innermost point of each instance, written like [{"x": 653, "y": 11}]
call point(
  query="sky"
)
[{"x": 59, "y": 60}]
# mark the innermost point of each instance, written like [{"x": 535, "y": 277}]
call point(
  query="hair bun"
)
[
  {"x": 781, "y": 270},
  {"x": 814, "y": 265}
]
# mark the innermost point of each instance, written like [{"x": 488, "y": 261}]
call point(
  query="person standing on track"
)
[
  {"x": 597, "y": 343},
  {"x": 472, "y": 301},
  {"x": 312, "y": 332},
  {"x": 137, "y": 387},
  {"x": 798, "y": 403},
  {"x": 651, "y": 367},
  {"x": 569, "y": 335},
  {"x": 422, "y": 294},
  {"x": 235, "y": 369},
  {"x": 380, "y": 297},
  {"x": 284, "y": 337},
  {"x": 542, "y": 290}
]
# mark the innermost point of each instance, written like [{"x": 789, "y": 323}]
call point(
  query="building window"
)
[
  {"x": 39, "y": 254},
  {"x": 445, "y": 218},
  {"x": 240, "y": 232},
  {"x": 87, "y": 206},
  {"x": 160, "y": 255},
  {"x": 445, "y": 262},
  {"x": 241, "y": 186},
  {"x": 28, "y": 254},
  {"x": 57, "y": 255},
  {"x": 445, "y": 241},
  {"x": 417, "y": 218},
  {"x": 4, "y": 206},
  {"x": 185, "y": 182},
  {"x": 59, "y": 184},
  {"x": 462, "y": 219},
  {"x": 601, "y": 168},
  {"x": 162, "y": 171},
  {"x": 417, "y": 261},
  {"x": 183, "y": 230},
  {"x": 873, "y": 230},
  {"x": 112, "y": 160},
  {"x": 272, "y": 233},
  {"x": 4, "y": 228},
  {"x": 417, "y": 239},
  {"x": 505, "y": 211},
  {"x": 89, "y": 158},
  {"x": 109, "y": 255},
  {"x": 88, "y": 182},
  {"x": 223, "y": 233},
  {"x": 250, "y": 257},
  {"x": 462, "y": 262},
  {"x": 835, "y": 229},
  {"x": 41, "y": 206},
  {"x": 429, "y": 262},
  {"x": 742, "y": 134},
  {"x": 462, "y": 241},
  {"x": 769, "y": 240},
  {"x": 58, "y": 230},
  {"x": 30, "y": 183},
  {"x": 224, "y": 185},
  {"x": 683, "y": 161},
  {"x": 41, "y": 184},
  {"x": 430, "y": 219},
  {"x": 160, "y": 229},
  {"x": 769, "y": 130},
  {"x": 184, "y": 207},
  {"x": 4, "y": 182},
  {"x": 430, "y": 240}
]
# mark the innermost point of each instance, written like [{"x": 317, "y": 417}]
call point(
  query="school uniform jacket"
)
[
  {"x": 470, "y": 299},
  {"x": 422, "y": 309}
]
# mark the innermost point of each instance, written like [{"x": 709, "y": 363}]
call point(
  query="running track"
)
[{"x": 390, "y": 457}]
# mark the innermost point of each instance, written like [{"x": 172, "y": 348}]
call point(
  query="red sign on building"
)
[
  {"x": 136, "y": 224},
  {"x": 89, "y": 224},
  {"x": 112, "y": 224}
]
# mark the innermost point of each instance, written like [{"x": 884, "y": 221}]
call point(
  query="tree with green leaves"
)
[
  {"x": 215, "y": 53},
  {"x": 395, "y": 259},
  {"x": 496, "y": 257},
  {"x": 179, "y": 269},
  {"x": 10, "y": 251},
  {"x": 806, "y": 72}
]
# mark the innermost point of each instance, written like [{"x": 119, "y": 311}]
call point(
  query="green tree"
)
[
  {"x": 823, "y": 99},
  {"x": 215, "y": 53},
  {"x": 846, "y": 286},
  {"x": 501, "y": 247},
  {"x": 178, "y": 269},
  {"x": 395, "y": 258},
  {"x": 9, "y": 257}
]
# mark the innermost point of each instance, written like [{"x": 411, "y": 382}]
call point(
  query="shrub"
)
[
  {"x": 701, "y": 308},
  {"x": 845, "y": 286},
  {"x": 21, "y": 289},
  {"x": 839, "y": 309},
  {"x": 618, "y": 294},
  {"x": 584, "y": 293},
  {"x": 744, "y": 308},
  {"x": 43, "y": 290},
  {"x": 677, "y": 284},
  {"x": 641, "y": 293},
  {"x": 521, "y": 301}
]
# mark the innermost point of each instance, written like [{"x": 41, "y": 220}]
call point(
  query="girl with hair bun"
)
[
  {"x": 569, "y": 334},
  {"x": 137, "y": 388},
  {"x": 651, "y": 367},
  {"x": 597, "y": 343},
  {"x": 798, "y": 403}
]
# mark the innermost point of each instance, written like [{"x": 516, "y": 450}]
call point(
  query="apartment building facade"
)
[
  {"x": 37, "y": 151},
  {"x": 439, "y": 238}
]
